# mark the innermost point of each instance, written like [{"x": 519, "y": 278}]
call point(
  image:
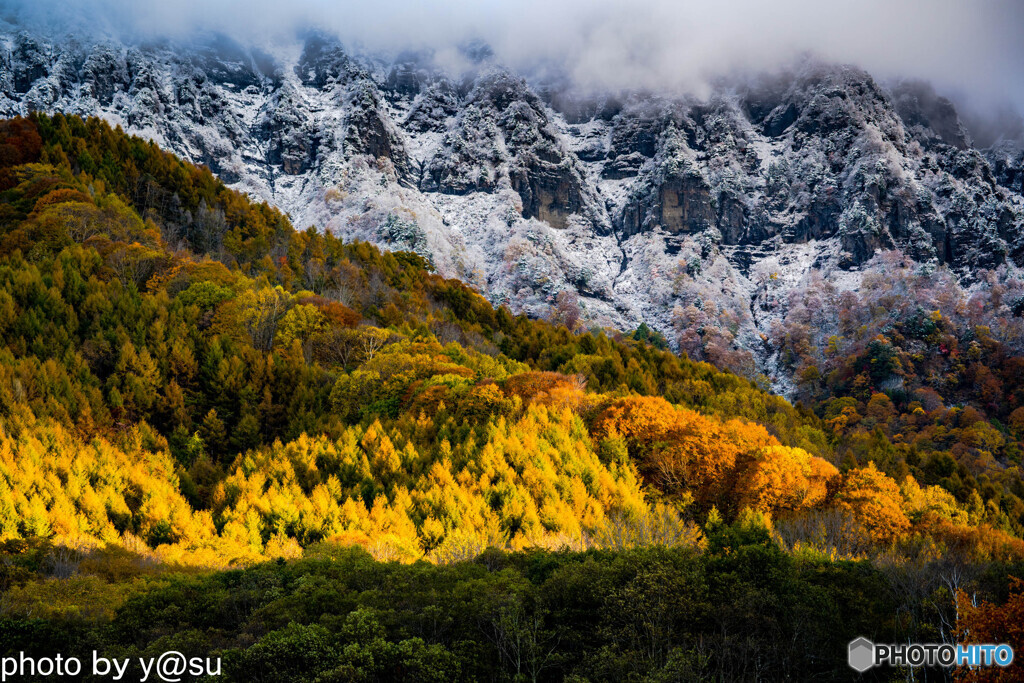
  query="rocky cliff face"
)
[{"x": 644, "y": 207}]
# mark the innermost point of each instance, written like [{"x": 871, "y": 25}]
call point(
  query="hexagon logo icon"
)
[{"x": 862, "y": 654}]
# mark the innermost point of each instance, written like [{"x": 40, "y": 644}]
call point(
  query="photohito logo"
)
[{"x": 863, "y": 654}]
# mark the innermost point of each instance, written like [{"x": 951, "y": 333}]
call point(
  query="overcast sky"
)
[{"x": 972, "y": 46}]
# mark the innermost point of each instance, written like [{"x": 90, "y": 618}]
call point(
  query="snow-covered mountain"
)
[{"x": 646, "y": 207}]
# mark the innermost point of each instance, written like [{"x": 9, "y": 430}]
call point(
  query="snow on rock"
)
[{"x": 695, "y": 216}]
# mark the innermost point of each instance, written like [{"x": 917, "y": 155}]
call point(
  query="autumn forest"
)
[{"x": 320, "y": 461}]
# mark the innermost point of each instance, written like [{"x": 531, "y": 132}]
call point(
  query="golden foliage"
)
[
  {"x": 875, "y": 500},
  {"x": 780, "y": 478}
]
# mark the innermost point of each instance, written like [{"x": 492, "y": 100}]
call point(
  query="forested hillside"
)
[
  {"x": 189, "y": 384},
  {"x": 699, "y": 211}
]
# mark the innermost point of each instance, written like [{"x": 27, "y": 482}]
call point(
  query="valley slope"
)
[{"x": 700, "y": 217}]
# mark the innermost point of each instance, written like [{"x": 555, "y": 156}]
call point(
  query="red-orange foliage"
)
[
  {"x": 988, "y": 623},
  {"x": 334, "y": 312},
  {"x": 544, "y": 387},
  {"x": 20, "y": 143},
  {"x": 731, "y": 464},
  {"x": 677, "y": 449},
  {"x": 60, "y": 196}
]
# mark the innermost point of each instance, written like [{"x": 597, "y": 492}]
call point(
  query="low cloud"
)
[{"x": 969, "y": 49}]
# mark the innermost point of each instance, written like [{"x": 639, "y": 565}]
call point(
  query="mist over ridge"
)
[{"x": 971, "y": 53}]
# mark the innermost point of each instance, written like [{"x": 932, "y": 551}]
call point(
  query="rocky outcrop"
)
[
  {"x": 642, "y": 205},
  {"x": 433, "y": 107},
  {"x": 634, "y": 140},
  {"x": 823, "y": 154},
  {"x": 470, "y": 157},
  {"x": 504, "y": 135},
  {"x": 30, "y": 63},
  {"x": 324, "y": 63},
  {"x": 934, "y": 118},
  {"x": 550, "y": 192},
  {"x": 104, "y": 74},
  {"x": 680, "y": 202},
  {"x": 1007, "y": 161},
  {"x": 292, "y": 141},
  {"x": 369, "y": 130}
]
